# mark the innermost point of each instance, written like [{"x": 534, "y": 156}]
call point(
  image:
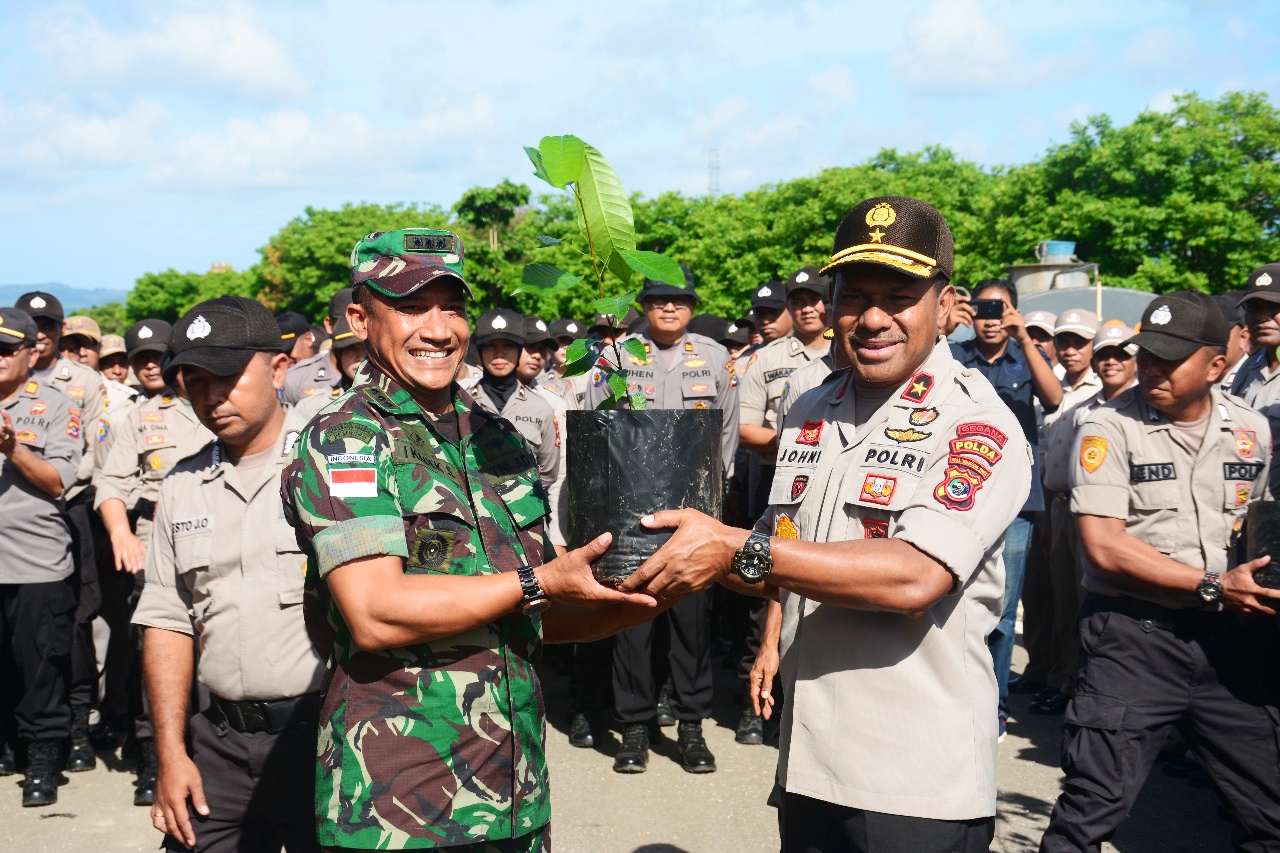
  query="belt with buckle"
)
[{"x": 268, "y": 715}]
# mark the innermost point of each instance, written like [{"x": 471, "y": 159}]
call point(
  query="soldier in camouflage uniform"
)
[{"x": 422, "y": 519}]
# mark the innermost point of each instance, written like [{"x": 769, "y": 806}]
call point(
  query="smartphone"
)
[{"x": 988, "y": 309}]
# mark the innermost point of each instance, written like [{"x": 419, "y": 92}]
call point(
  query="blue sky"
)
[{"x": 138, "y": 136}]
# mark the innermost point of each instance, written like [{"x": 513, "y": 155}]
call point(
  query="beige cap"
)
[
  {"x": 1079, "y": 321},
  {"x": 1040, "y": 320},
  {"x": 83, "y": 326},
  {"x": 1113, "y": 334},
  {"x": 112, "y": 345}
]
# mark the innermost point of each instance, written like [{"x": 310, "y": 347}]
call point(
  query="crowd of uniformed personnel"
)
[{"x": 122, "y": 513}]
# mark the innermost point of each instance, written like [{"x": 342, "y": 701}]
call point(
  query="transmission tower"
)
[{"x": 713, "y": 172}]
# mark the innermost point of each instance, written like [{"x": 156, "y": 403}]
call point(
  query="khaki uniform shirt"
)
[
  {"x": 1131, "y": 463},
  {"x": 310, "y": 376},
  {"x": 761, "y": 387},
  {"x": 532, "y": 416},
  {"x": 557, "y": 494},
  {"x": 1259, "y": 388},
  {"x": 803, "y": 379},
  {"x": 120, "y": 400},
  {"x": 887, "y": 712},
  {"x": 35, "y": 542},
  {"x": 87, "y": 390},
  {"x": 700, "y": 376},
  {"x": 1058, "y": 436},
  {"x": 149, "y": 441},
  {"x": 224, "y": 566}
]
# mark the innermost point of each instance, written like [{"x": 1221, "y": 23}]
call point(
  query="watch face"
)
[
  {"x": 1209, "y": 591},
  {"x": 751, "y": 569}
]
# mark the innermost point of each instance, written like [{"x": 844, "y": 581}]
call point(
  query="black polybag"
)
[{"x": 624, "y": 465}]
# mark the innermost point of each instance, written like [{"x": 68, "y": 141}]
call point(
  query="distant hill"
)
[{"x": 73, "y": 298}]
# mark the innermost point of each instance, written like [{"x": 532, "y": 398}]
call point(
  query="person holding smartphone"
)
[{"x": 1003, "y": 352}]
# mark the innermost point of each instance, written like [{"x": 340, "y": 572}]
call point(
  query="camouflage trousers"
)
[{"x": 538, "y": 841}]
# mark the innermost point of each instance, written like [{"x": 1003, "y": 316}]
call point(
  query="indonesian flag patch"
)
[{"x": 353, "y": 483}]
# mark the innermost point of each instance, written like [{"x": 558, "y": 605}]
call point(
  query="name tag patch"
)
[
  {"x": 190, "y": 526},
  {"x": 1241, "y": 470},
  {"x": 1155, "y": 472},
  {"x": 896, "y": 457}
]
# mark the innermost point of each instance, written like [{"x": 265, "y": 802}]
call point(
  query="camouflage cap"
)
[{"x": 398, "y": 263}]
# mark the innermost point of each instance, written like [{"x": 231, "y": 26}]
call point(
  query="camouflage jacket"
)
[{"x": 440, "y": 743}]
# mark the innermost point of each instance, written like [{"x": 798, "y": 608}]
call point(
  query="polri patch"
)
[
  {"x": 922, "y": 417},
  {"x": 798, "y": 485},
  {"x": 1241, "y": 470},
  {"x": 878, "y": 489},
  {"x": 958, "y": 489},
  {"x": 985, "y": 430},
  {"x": 38, "y": 408},
  {"x": 1093, "y": 450},
  {"x": 154, "y": 439},
  {"x": 810, "y": 433},
  {"x": 1246, "y": 441},
  {"x": 1243, "y": 491}
]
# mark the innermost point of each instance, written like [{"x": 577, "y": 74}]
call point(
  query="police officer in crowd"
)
[
  {"x": 679, "y": 371},
  {"x": 223, "y": 570},
  {"x": 1005, "y": 353},
  {"x": 737, "y": 337},
  {"x": 1040, "y": 326},
  {"x": 345, "y": 352},
  {"x": 317, "y": 373},
  {"x": 535, "y": 356},
  {"x": 81, "y": 340},
  {"x": 296, "y": 339},
  {"x": 500, "y": 341},
  {"x": 1237, "y": 353},
  {"x": 422, "y": 521},
  {"x": 769, "y": 311},
  {"x": 1174, "y": 635},
  {"x": 40, "y": 450},
  {"x": 113, "y": 361},
  {"x": 1256, "y": 383},
  {"x": 570, "y": 388},
  {"x": 87, "y": 391},
  {"x": 909, "y": 468},
  {"x": 142, "y": 444}
]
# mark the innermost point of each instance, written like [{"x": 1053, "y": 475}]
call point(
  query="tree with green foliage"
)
[
  {"x": 112, "y": 319},
  {"x": 168, "y": 295}
]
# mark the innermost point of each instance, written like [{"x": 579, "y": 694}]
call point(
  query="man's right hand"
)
[
  {"x": 130, "y": 553},
  {"x": 1240, "y": 592},
  {"x": 570, "y": 579},
  {"x": 177, "y": 780},
  {"x": 761, "y": 678}
]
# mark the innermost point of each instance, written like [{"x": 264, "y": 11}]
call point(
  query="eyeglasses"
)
[{"x": 9, "y": 351}]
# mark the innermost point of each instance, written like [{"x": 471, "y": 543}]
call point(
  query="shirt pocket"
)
[
  {"x": 291, "y": 566},
  {"x": 1154, "y": 508},
  {"x": 158, "y": 452},
  {"x": 192, "y": 555},
  {"x": 698, "y": 393}
]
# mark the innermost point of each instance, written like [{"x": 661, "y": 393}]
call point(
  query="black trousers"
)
[
  {"x": 813, "y": 826},
  {"x": 1146, "y": 671},
  {"x": 589, "y": 677},
  {"x": 36, "y": 626},
  {"x": 260, "y": 789},
  {"x": 635, "y": 688},
  {"x": 123, "y": 697},
  {"x": 83, "y": 521}
]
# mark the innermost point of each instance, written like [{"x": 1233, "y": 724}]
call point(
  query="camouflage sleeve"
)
[{"x": 340, "y": 492}]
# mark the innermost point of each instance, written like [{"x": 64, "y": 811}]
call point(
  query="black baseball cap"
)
[
  {"x": 343, "y": 337},
  {"x": 809, "y": 278},
  {"x": 17, "y": 328},
  {"x": 770, "y": 294},
  {"x": 567, "y": 327},
  {"x": 39, "y": 304},
  {"x": 500, "y": 324},
  {"x": 1177, "y": 324},
  {"x": 221, "y": 336},
  {"x": 535, "y": 330},
  {"x": 338, "y": 303},
  {"x": 1229, "y": 305},
  {"x": 292, "y": 326},
  {"x": 737, "y": 332},
  {"x": 662, "y": 288},
  {"x": 1263, "y": 284},
  {"x": 709, "y": 326},
  {"x": 898, "y": 232},
  {"x": 149, "y": 335}
]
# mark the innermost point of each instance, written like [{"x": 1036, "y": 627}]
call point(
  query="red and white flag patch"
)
[{"x": 353, "y": 483}]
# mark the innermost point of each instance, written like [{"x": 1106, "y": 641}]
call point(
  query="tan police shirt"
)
[
  {"x": 1259, "y": 388},
  {"x": 804, "y": 379},
  {"x": 120, "y": 400},
  {"x": 87, "y": 390},
  {"x": 224, "y": 566},
  {"x": 535, "y": 420},
  {"x": 1131, "y": 463},
  {"x": 760, "y": 388},
  {"x": 557, "y": 494},
  {"x": 887, "y": 712},
  {"x": 150, "y": 440},
  {"x": 1057, "y": 436},
  {"x": 315, "y": 375}
]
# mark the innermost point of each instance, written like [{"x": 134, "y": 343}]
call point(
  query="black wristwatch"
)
[
  {"x": 1210, "y": 589},
  {"x": 534, "y": 599},
  {"x": 754, "y": 562}
]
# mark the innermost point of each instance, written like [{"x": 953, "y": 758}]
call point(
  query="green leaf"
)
[
  {"x": 577, "y": 350},
  {"x": 546, "y": 279},
  {"x": 535, "y": 157},
  {"x": 653, "y": 265},
  {"x": 635, "y": 347},
  {"x": 616, "y": 305},
  {"x": 639, "y": 402},
  {"x": 607, "y": 213},
  {"x": 548, "y": 241},
  {"x": 562, "y": 157},
  {"x": 580, "y": 357},
  {"x": 617, "y": 380}
]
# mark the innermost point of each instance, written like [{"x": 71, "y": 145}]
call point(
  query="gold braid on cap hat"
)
[{"x": 883, "y": 253}]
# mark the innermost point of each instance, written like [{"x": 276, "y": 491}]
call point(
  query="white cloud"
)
[
  {"x": 51, "y": 141},
  {"x": 224, "y": 47},
  {"x": 835, "y": 85},
  {"x": 1160, "y": 49},
  {"x": 1162, "y": 102}
]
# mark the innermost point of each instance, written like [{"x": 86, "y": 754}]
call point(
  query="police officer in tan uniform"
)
[
  {"x": 113, "y": 360},
  {"x": 144, "y": 443},
  {"x": 680, "y": 370},
  {"x": 224, "y": 570},
  {"x": 40, "y": 449},
  {"x": 896, "y": 481},
  {"x": 1256, "y": 381},
  {"x": 346, "y": 351},
  {"x": 1173, "y": 634}
]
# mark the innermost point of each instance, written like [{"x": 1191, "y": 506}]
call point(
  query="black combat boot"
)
[
  {"x": 41, "y": 785},
  {"x": 694, "y": 755},
  {"x": 633, "y": 757},
  {"x": 81, "y": 757},
  {"x": 665, "y": 717},
  {"x": 580, "y": 732},
  {"x": 144, "y": 786},
  {"x": 8, "y": 762},
  {"x": 750, "y": 727}
]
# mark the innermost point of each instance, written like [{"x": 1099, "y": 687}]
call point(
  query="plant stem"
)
[{"x": 582, "y": 211}]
